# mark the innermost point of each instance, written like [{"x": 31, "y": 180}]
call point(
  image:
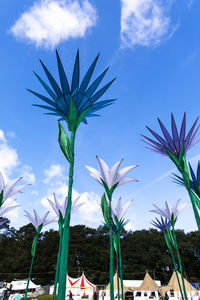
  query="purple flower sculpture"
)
[
  {"x": 175, "y": 142},
  {"x": 161, "y": 224},
  {"x": 175, "y": 146}
]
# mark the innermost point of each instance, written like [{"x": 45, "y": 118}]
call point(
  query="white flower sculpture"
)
[
  {"x": 36, "y": 220},
  {"x": 111, "y": 176},
  {"x": 119, "y": 211},
  {"x": 10, "y": 188},
  {"x": 61, "y": 207},
  {"x": 168, "y": 211}
]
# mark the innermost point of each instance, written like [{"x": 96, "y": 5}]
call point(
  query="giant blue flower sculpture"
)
[
  {"x": 85, "y": 97},
  {"x": 74, "y": 103}
]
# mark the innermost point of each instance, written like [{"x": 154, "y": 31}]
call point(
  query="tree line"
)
[{"x": 142, "y": 250}]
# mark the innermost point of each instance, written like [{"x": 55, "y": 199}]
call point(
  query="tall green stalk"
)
[
  {"x": 66, "y": 229},
  {"x": 58, "y": 264},
  {"x": 120, "y": 265},
  {"x": 167, "y": 239},
  {"x": 179, "y": 261},
  {"x": 111, "y": 257},
  {"x": 32, "y": 261},
  {"x": 117, "y": 255},
  {"x": 185, "y": 175}
]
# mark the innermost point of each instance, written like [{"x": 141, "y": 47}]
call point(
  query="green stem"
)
[
  {"x": 118, "y": 291},
  {"x": 120, "y": 266},
  {"x": 30, "y": 271},
  {"x": 171, "y": 251},
  {"x": 185, "y": 176},
  {"x": 111, "y": 266},
  {"x": 66, "y": 230},
  {"x": 196, "y": 214},
  {"x": 179, "y": 261},
  {"x": 58, "y": 266},
  {"x": 111, "y": 254}
]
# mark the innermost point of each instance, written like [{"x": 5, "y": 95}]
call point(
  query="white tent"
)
[
  {"x": 20, "y": 286},
  {"x": 79, "y": 287}
]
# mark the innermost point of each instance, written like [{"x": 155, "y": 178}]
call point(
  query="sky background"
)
[{"x": 152, "y": 46}]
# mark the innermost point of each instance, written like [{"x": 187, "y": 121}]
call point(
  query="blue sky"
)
[{"x": 152, "y": 47}]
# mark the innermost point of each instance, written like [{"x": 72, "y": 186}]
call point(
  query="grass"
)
[{"x": 42, "y": 297}]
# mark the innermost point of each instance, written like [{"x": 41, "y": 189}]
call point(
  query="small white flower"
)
[
  {"x": 168, "y": 211},
  {"x": 10, "y": 189},
  {"x": 36, "y": 220},
  {"x": 57, "y": 206},
  {"x": 119, "y": 211},
  {"x": 111, "y": 176}
]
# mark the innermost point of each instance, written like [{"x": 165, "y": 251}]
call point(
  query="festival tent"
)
[
  {"x": 115, "y": 284},
  {"x": 79, "y": 287},
  {"x": 20, "y": 286},
  {"x": 173, "y": 288},
  {"x": 136, "y": 287},
  {"x": 106, "y": 293},
  {"x": 148, "y": 289},
  {"x": 148, "y": 284}
]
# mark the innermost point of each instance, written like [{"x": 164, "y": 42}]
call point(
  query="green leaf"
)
[
  {"x": 170, "y": 237},
  {"x": 34, "y": 244},
  {"x": 185, "y": 174},
  {"x": 195, "y": 199},
  {"x": 105, "y": 210},
  {"x": 1, "y": 198},
  {"x": 166, "y": 239},
  {"x": 64, "y": 142},
  {"x": 182, "y": 152},
  {"x": 109, "y": 194},
  {"x": 173, "y": 158},
  {"x": 82, "y": 115},
  {"x": 115, "y": 241},
  {"x": 38, "y": 230},
  {"x": 113, "y": 187},
  {"x": 72, "y": 115},
  {"x": 197, "y": 189}
]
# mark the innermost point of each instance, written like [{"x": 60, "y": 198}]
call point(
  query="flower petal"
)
[
  {"x": 175, "y": 133},
  {"x": 126, "y": 180},
  {"x": 104, "y": 170},
  {"x": 113, "y": 173},
  {"x": 94, "y": 173}
]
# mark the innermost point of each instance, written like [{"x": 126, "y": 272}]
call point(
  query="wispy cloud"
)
[
  {"x": 27, "y": 174},
  {"x": 10, "y": 162},
  {"x": 145, "y": 22},
  {"x": 192, "y": 160},
  {"x": 48, "y": 22},
  {"x": 53, "y": 171},
  {"x": 190, "y": 2}
]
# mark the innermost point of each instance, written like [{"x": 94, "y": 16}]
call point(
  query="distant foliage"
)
[{"x": 89, "y": 252}]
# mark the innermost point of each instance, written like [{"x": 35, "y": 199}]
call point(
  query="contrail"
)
[{"x": 164, "y": 175}]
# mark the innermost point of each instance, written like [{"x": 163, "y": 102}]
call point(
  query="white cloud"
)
[
  {"x": 10, "y": 163},
  {"x": 145, "y": 22},
  {"x": 27, "y": 174},
  {"x": 8, "y": 158},
  {"x": 89, "y": 213},
  {"x": 13, "y": 214},
  {"x": 48, "y": 22},
  {"x": 53, "y": 171},
  {"x": 131, "y": 224},
  {"x": 2, "y": 136}
]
